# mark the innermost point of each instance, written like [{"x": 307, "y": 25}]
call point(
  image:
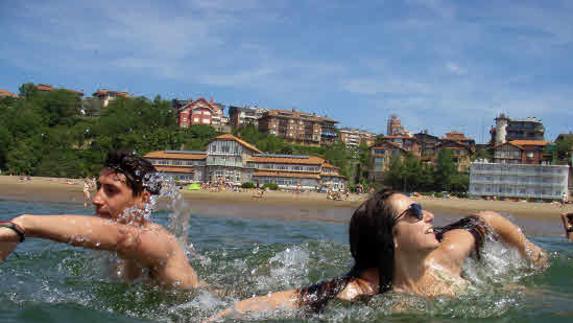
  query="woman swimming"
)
[{"x": 395, "y": 247}]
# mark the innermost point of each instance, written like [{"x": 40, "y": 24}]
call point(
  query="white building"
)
[{"x": 546, "y": 182}]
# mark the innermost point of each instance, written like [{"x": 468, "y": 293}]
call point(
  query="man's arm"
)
[
  {"x": 513, "y": 236},
  {"x": 97, "y": 233},
  {"x": 567, "y": 219}
]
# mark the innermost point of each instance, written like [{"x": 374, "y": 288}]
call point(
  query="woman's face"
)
[{"x": 412, "y": 234}]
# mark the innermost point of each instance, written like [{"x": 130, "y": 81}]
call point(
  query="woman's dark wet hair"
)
[
  {"x": 372, "y": 239},
  {"x": 371, "y": 245},
  {"x": 137, "y": 171}
]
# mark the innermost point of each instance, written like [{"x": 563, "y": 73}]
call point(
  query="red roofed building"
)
[
  {"x": 49, "y": 88},
  {"x": 200, "y": 112},
  {"x": 231, "y": 160},
  {"x": 7, "y": 94},
  {"x": 406, "y": 142},
  {"x": 106, "y": 96},
  {"x": 521, "y": 152}
]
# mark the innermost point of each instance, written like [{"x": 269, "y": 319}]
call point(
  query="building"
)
[
  {"x": 406, "y": 142},
  {"x": 461, "y": 152},
  {"x": 235, "y": 161},
  {"x": 49, "y": 88},
  {"x": 428, "y": 146},
  {"x": 462, "y": 148},
  {"x": 241, "y": 116},
  {"x": 200, "y": 112},
  {"x": 381, "y": 154},
  {"x": 394, "y": 127},
  {"x": 539, "y": 182},
  {"x": 298, "y": 127},
  {"x": 106, "y": 96},
  {"x": 7, "y": 94},
  {"x": 507, "y": 129},
  {"x": 521, "y": 152},
  {"x": 353, "y": 138}
]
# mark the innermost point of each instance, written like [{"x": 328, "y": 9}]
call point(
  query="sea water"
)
[{"x": 240, "y": 257}]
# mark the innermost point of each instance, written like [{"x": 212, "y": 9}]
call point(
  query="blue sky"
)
[{"x": 439, "y": 65}]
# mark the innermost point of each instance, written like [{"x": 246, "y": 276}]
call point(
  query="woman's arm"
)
[
  {"x": 513, "y": 236},
  {"x": 567, "y": 219},
  {"x": 261, "y": 304}
]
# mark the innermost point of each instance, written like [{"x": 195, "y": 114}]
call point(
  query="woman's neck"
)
[{"x": 411, "y": 273}]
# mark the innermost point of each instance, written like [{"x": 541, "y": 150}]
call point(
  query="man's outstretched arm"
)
[
  {"x": 513, "y": 236},
  {"x": 95, "y": 233}
]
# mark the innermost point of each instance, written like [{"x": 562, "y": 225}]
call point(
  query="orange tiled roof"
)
[
  {"x": 311, "y": 160},
  {"x": 529, "y": 142},
  {"x": 239, "y": 140},
  {"x": 7, "y": 93},
  {"x": 331, "y": 175},
  {"x": 168, "y": 155},
  {"x": 329, "y": 165},
  {"x": 103, "y": 92},
  {"x": 393, "y": 144},
  {"x": 174, "y": 169},
  {"x": 285, "y": 174},
  {"x": 298, "y": 114},
  {"x": 44, "y": 87},
  {"x": 210, "y": 105},
  {"x": 399, "y": 137}
]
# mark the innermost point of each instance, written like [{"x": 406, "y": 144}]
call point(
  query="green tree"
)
[{"x": 445, "y": 169}]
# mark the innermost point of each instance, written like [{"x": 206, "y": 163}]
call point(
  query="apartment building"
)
[
  {"x": 381, "y": 154},
  {"x": 353, "y": 138},
  {"x": 242, "y": 116},
  {"x": 523, "y": 181},
  {"x": 507, "y": 129},
  {"x": 298, "y": 127}
]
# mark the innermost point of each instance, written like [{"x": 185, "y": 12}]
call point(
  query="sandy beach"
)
[{"x": 536, "y": 218}]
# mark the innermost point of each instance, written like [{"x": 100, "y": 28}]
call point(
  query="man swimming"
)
[
  {"x": 396, "y": 247},
  {"x": 144, "y": 248}
]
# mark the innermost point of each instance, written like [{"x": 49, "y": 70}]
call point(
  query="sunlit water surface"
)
[{"x": 51, "y": 282}]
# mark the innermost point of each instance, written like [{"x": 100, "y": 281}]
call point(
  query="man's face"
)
[{"x": 113, "y": 195}]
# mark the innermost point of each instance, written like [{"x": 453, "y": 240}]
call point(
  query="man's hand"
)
[{"x": 8, "y": 242}]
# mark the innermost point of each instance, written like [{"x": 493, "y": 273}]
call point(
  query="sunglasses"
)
[{"x": 414, "y": 210}]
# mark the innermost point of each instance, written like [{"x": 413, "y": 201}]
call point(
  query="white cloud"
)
[{"x": 455, "y": 68}]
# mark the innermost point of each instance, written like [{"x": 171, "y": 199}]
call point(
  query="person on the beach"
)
[
  {"x": 86, "y": 191},
  {"x": 144, "y": 248},
  {"x": 567, "y": 219},
  {"x": 395, "y": 247}
]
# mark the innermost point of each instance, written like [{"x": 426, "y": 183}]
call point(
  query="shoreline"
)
[{"x": 535, "y": 217}]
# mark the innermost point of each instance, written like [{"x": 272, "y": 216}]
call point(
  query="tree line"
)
[{"x": 58, "y": 134}]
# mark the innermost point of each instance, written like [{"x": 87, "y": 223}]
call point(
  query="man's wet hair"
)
[{"x": 137, "y": 171}]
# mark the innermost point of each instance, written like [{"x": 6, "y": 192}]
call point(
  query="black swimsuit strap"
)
[
  {"x": 473, "y": 224},
  {"x": 16, "y": 228}
]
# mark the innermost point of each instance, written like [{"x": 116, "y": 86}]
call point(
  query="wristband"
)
[{"x": 16, "y": 228}]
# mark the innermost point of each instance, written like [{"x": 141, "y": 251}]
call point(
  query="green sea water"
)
[{"x": 50, "y": 282}]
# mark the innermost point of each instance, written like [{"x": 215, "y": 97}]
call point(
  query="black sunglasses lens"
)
[{"x": 417, "y": 211}]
